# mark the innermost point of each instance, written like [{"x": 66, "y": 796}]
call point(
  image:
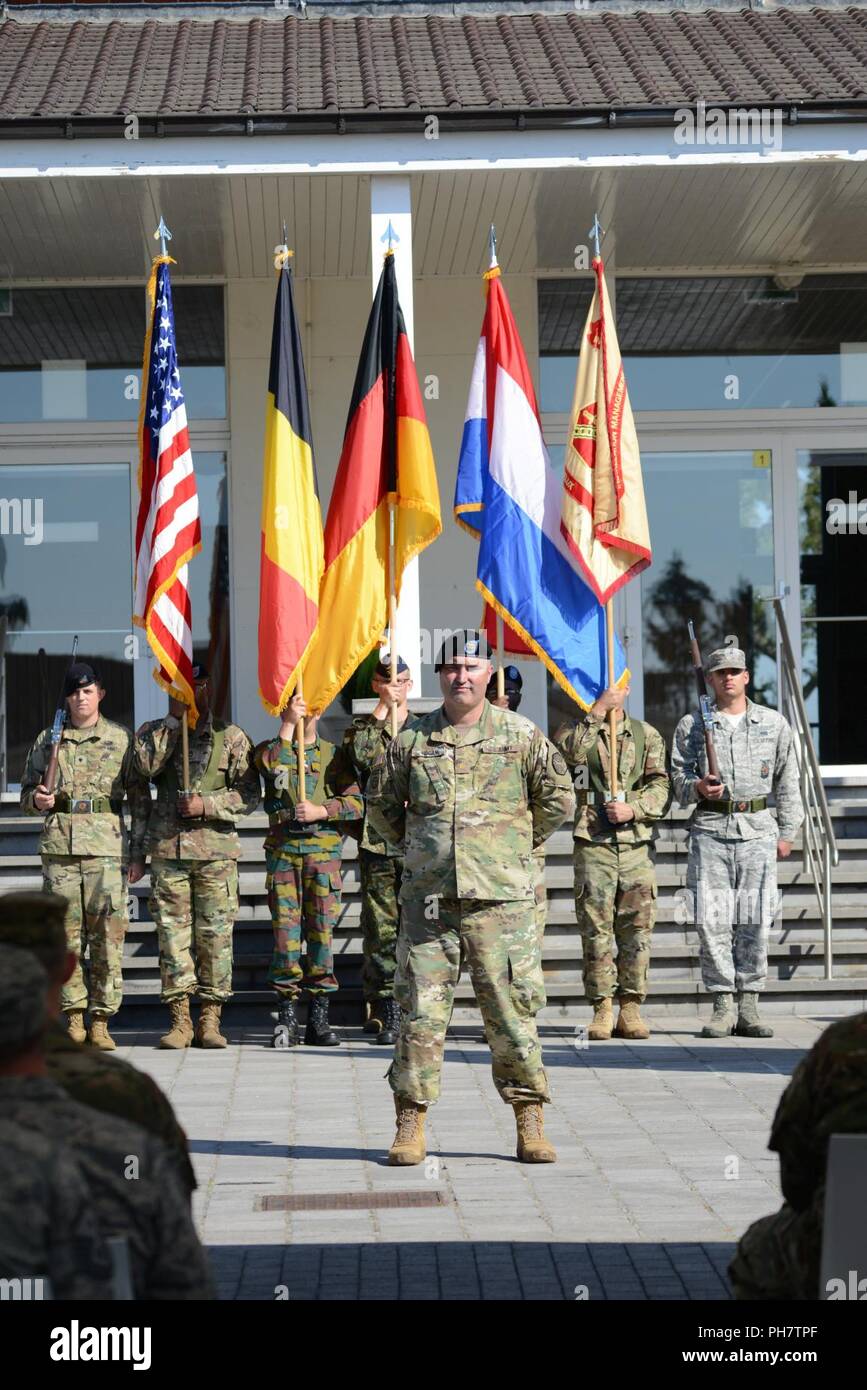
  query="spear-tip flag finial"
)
[
  {"x": 492, "y": 248},
  {"x": 597, "y": 231},
  {"x": 162, "y": 234},
  {"x": 390, "y": 236}
]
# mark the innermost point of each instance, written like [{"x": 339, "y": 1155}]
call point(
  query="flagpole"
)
[
  {"x": 501, "y": 672},
  {"x": 392, "y": 616},
  {"x": 299, "y": 730},
  {"x": 612, "y": 713},
  {"x": 185, "y": 750}
]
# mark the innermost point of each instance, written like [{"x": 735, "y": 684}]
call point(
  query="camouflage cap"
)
[
  {"x": 35, "y": 922},
  {"x": 467, "y": 643},
  {"x": 23, "y": 985},
  {"x": 728, "y": 657}
]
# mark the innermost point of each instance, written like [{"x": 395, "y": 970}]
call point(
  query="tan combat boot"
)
[
  {"x": 75, "y": 1025},
  {"x": 603, "y": 1021},
  {"x": 180, "y": 1033},
  {"x": 208, "y": 1027},
  {"x": 99, "y": 1034},
  {"x": 533, "y": 1147},
  {"x": 630, "y": 1024},
  {"x": 409, "y": 1145}
]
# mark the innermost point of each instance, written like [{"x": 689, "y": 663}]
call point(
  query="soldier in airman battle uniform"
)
[
  {"x": 471, "y": 791},
  {"x": 194, "y": 849},
  {"x": 615, "y": 881},
  {"x": 84, "y": 845},
  {"x": 734, "y": 840},
  {"x": 302, "y": 858},
  {"x": 379, "y": 862}
]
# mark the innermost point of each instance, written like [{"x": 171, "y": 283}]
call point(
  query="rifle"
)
[
  {"x": 60, "y": 718},
  {"x": 703, "y": 704}
]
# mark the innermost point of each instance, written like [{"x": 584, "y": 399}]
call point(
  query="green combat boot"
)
[
  {"x": 749, "y": 1025},
  {"x": 723, "y": 1018}
]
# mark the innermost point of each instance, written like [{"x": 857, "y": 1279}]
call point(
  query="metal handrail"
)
[{"x": 820, "y": 853}]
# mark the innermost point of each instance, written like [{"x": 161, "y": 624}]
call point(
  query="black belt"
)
[
  {"x": 728, "y": 808},
  {"x": 84, "y": 805}
]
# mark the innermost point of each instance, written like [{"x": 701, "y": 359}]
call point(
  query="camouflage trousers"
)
[
  {"x": 732, "y": 886},
  {"x": 304, "y": 898},
  {"x": 540, "y": 893},
  {"x": 498, "y": 941},
  {"x": 779, "y": 1256},
  {"x": 96, "y": 921},
  {"x": 615, "y": 902},
  {"x": 380, "y": 877},
  {"x": 194, "y": 903}
]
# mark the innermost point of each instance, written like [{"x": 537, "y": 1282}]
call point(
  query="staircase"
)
[{"x": 796, "y": 983}]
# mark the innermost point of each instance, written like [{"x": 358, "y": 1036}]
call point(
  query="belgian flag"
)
[
  {"x": 292, "y": 542},
  {"x": 386, "y": 458}
]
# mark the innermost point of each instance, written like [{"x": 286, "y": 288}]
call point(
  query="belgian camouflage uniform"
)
[
  {"x": 779, "y": 1257},
  {"x": 471, "y": 803},
  {"x": 132, "y": 1183},
  {"x": 615, "y": 880},
  {"x": 85, "y": 852},
  {"x": 194, "y": 871},
  {"x": 303, "y": 860},
  {"x": 380, "y": 865},
  {"x": 731, "y": 874}
]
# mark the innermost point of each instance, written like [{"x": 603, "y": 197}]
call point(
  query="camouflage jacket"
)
[
  {"x": 365, "y": 743},
  {"x": 94, "y": 762},
  {"x": 756, "y": 759},
  {"x": 115, "y": 1087},
  {"x": 826, "y": 1095},
  {"x": 132, "y": 1184},
  {"x": 48, "y": 1229},
  {"x": 277, "y": 760},
  {"x": 471, "y": 803},
  {"x": 649, "y": 798},
  {"x": 158, "y": 756}
]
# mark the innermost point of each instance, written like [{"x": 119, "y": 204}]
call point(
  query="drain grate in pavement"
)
[{"x": 351, "y": 1201}]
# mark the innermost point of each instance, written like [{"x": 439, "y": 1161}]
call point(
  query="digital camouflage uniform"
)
[
  {"x": 779, "y": 1256},
  {"x": 380, "y": 865},
  {"x": 615, "y": 879},
  {"x": 731, "y": 875},
  {"x": 470, "y": 803},
  {"x": 134, "y": 1190},
  {"x": 85, "y": 852},
  {"x": 194, "y": 871},
  {"x": 303, "y": 860}
]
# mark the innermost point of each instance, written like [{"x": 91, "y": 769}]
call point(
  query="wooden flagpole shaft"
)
[
  {"x": 299, "y": 730},
  {"x": 392, "y": 615},
  {"x": 185, "y": 750},
  {"x": 501, "y": 673},
  {"x": 612, "y": 713}
]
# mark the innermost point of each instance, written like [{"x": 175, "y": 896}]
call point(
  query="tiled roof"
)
[{"x": 552, "y": 64}]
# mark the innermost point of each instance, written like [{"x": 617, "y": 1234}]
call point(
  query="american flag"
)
[{"x": 168, "y": 531}]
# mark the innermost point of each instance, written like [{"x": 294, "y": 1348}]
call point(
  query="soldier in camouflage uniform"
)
[
  {"x": 379, "y": 863},
  {"x": 132, "y": 1184},
  {"x": 302, "y": 858},
  {"x": 84, "y": 845},
  {"x": 48, "y": 1230},
  {"x": 734, "y": 841},
  {"x": 35, "y": 922},
  {"x": 194, "y": 849},
  {"x": 615, "y": 881},
  {"x": 472, "y": 790},
  {"x": 779, "y": 1256}
]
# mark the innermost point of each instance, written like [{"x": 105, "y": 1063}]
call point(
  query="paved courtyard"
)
[{"x": 662, "y": 1164}]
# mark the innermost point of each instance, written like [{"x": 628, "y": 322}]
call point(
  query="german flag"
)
[
  {"x": 292, "y": 543},
  {"x": 386, "y": 459}
]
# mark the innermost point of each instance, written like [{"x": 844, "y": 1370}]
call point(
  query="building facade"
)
[{"x": 723, "y": 148}]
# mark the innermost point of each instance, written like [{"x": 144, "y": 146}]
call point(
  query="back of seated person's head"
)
[
  {"x": 36, "y": 922},
  {"x": 23, "y": 1011}
]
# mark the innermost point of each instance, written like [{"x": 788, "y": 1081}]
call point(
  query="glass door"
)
[{"x": 832, "y": 513}]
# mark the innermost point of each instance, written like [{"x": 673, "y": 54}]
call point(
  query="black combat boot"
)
[
  {"x": 286, "y": 1027},
  {"x": 318, "y": 1033},
  {"x": 387, "y": 1012}
]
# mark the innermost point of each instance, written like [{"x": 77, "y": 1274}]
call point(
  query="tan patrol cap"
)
[{"x": 728, "y": 657}]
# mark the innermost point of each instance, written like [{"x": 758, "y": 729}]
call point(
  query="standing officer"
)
[
  {"x": 194, "y": 848},
  {"x": 475, "y": 790},
  {"x": 84, "y": 845},
  {"x": 302, "y": 858},
  {"x": 615, "y": 882},
  {"x": 734, "y": 839},
  {"x": 379, "y": 863}
]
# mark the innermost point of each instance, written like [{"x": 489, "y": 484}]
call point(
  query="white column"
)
[{"x": 390, "y": 201}]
